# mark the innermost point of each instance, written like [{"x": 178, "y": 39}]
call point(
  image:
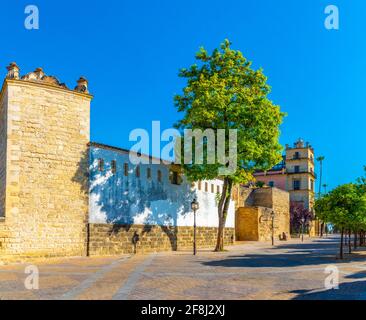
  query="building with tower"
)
[{"x": 295, "y": 174}]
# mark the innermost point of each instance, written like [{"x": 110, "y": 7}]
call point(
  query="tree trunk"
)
[
  {"x": 349, "y": 241},
  {"x": 321, "y": 229},
  {"x": 341, "y": 246},
  {"x": 355, "y": 240},
  {"x": 223, "y": 208}
]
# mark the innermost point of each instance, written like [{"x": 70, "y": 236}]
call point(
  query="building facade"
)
[
  {"x": 149, "y": 201},
  {"x": 294, "y": 174},
  {"x": 62, "y": 195}
]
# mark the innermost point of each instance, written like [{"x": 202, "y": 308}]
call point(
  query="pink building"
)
[{"x": 295, "y": 174}]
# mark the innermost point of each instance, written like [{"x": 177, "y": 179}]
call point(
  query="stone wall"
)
[
  {"x": 46, "y": 185},
  {"x": 3, "y": 104},
  {"x": 112, "y": 239},
  {"x": 247, "y": 224},
  {"x": 254, "y": 220}
]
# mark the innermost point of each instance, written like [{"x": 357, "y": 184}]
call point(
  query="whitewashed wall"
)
[{"x": 115, "y": 198}]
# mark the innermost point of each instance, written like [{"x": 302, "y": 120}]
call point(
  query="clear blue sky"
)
[{"x": 131, "y": 52}]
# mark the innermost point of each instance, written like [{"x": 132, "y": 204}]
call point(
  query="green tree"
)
[
  {"x": 344, "y": 207},
  {"x": 224, "y": 92}
]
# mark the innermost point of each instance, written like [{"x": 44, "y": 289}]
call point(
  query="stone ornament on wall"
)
[{"x": 39, "y": 76}]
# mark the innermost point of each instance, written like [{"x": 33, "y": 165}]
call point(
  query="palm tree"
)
[{"x": 320, "y": 159}]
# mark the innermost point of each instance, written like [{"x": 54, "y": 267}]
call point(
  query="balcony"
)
[{"x": 299, "y": 158}]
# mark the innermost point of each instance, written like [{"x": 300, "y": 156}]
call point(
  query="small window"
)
[
  {"x": 138, "y": 172},
  {"x": 100, "y": 165},
  {"x": 199, "y": 185},
  {"x": 114, "y": 166},
  {"x": 271, "y": 184},
  {"x": 125, "y": 169},
  {"x": 148, "y": 173},
  {"x": 312, "y": 185},
  {"x": 175, "y": 177},
  {"x": 212, "y": 188},
  {"x": 218, "y": 189},
  {"x": 206, "y": 187},
  {"x": 159, "y": 176},
  {"x": 296, "y": 155},
  {"x": 297, "y": 169},
  {"x": 296, "y": 184}
]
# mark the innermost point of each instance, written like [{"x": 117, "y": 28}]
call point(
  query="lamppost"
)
[
  {"x": 194, "y": 206},
  {"x": 302, "y": 228},
  {"x": 272, "y": 216}
]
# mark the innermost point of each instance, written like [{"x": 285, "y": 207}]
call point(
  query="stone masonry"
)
[
  {"x": 109, "y": 239},
  {"x": 254, "y": 219},
  {"x": 44, "y": 131}
]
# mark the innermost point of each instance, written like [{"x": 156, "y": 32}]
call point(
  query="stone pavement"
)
[{"x": 290, "y": 270}]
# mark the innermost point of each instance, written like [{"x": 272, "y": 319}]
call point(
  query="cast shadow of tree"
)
[
  {"x": 347, "y": 291},
  {"x": 121, "y": 199}
]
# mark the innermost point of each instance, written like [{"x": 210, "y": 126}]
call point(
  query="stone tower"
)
[
  {"x": 44, "y": 132},
  {"x": 300, "y": 177}
]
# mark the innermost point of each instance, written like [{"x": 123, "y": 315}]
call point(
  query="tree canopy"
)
[{"x": 223, "y": 92}]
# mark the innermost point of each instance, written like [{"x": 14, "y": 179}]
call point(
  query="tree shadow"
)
[
  {"x": 123, "y": 200},
  {"x": 347, "y": 291},
  {"x": 301, "y": 255}
]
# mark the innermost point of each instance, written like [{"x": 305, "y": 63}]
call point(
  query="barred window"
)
[
  {"x": 100, "y": 165},
  {"x": 114, "y": 166},
  {"x": 159, "y": 176}
]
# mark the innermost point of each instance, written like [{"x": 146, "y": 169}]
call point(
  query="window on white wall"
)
[
  {"x": 159, "y": 176},
  {"x": 114, "y": 166},
  {"x": 206, "y": 187},
  {"x": 100, "y": 165},
  {"x": 174, "y": 178}
]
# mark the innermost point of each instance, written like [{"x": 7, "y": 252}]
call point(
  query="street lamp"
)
[
  {"x": 194, "y": 206},
  {"x": 302, "y": 228},
  {"x": 272, "y": 216}
]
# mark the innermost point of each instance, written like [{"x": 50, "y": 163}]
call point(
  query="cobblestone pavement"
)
[{"x": 289, "y": 270}]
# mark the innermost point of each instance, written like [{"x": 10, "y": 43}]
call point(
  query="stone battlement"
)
[{"x": 38, "y": 76}]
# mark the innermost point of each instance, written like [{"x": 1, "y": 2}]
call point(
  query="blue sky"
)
[{"x": 131, "y": 51}]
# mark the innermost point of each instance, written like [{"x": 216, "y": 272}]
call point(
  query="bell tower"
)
[{"x": 300, "y": 173}]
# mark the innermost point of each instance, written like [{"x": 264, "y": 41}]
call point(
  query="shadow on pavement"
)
[
  {"x": 347, "y": 291},
  {"x": 299, "y": 254}
]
